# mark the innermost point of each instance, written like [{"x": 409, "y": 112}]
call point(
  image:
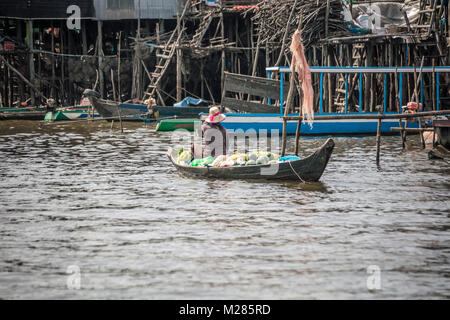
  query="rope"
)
[{"x": 290, "y": 164}]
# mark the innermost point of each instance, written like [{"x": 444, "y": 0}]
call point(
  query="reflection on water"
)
[{"x": 111, "y": 204}]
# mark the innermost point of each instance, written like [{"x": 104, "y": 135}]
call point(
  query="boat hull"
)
[
  {"x": 137, "y": 112},
  {"x": 70, "y": 115},
  {"x": 22, "y": 114},
  {"x": 181, "y": 112},
  {"x": 308, "y": 169},
  {"x": 109, "y": 110},
  {"x": 442, "y": 128},
  {"x": 176, "y": 124},
  {"x": 257, "y": 122}
]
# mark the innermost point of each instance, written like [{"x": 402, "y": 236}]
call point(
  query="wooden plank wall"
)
[{"x": 255, "y": 87}]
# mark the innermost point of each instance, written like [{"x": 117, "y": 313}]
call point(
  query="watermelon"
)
[
  {"x": 262, "y": 160},
  {"x": 253, "y": 156}
]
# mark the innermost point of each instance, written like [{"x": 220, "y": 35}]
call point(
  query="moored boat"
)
[
  {"x": 138, "y": 112},
  {"x": 109, "y": 109},
  {"x": 308, "y": 169},
  {"x": 441, "y": 148},
  {"x": 269, "y": 122},
  {"x": 176, "y": 124},
  {"x": 23, "y": 113},
  {"x": 79, "y": 112}
]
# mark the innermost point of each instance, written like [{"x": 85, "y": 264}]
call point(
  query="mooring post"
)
[
  {"x": 378, "y": 138},
  {"x": 284, "y": 138},
  {"x": 115, "y": 100},
  {"x": 397, "y": 103}
]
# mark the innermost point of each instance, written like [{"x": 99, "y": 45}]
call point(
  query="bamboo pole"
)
[
  {"x": 412, "y": 130},
  {"x": 31, "y": 59},
  {"x": 378, "y": 140},
  {"x": 52, "y": 91},
  {"x": 61, "y": 50},
  {"x": 416, "y": 94},
  {"x": 100, "y": 58},
  {"x": 115, "y": 100},
  {"x": 397, "y": 103},
  {"x": 118, "y": 68},
  {"x": 283, "y": 42},
  {"x": 297, "y": 131},
  {"x": 284, "y": 137},
  {"x": 223, "y": 57},
  {"x": 179, "y": 56},
  {"x": 84, "y": 38}
]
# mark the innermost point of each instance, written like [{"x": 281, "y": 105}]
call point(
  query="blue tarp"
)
[{"x": 189, "y": 101}]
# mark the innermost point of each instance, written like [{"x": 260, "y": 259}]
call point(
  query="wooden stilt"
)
[
  {"x": 34, "y": 89},
  {"x": 223, "y": 58},
  {"x": 297, "y": 136},
  {"x": 100, "y": 57},
  {"x": 61, "y": 50},
  {"x": 179, "y": 59},
  {"x": 115, "y": 100},
  {"x": 31, "y": 59},
  {"x": 378, "y": 140},
  {"x": 83, "y": 37},
  {"x": 119, "y": 85},
  {"x": 284, "y": 138},
  {"x": 20, "y": 84},
  {"x": 397, "y": 103},
  {"x": 52, "y": 91},
  {"x": 416, "y": 94}
]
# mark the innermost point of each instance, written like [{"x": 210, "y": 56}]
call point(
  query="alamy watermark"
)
[
  {"x": 374, "y": 279},
  {"x": 74, "y": 20},
  {"x": 73, "y": 281}
]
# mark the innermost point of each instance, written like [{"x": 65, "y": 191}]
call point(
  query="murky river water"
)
[{"x": 82, "y": 197}]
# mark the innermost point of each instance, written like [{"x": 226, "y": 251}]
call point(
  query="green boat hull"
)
[
  {"x": 176, "y": 124},
  {"x": 67, "y": 115}
]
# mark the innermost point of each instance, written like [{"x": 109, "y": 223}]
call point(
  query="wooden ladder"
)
[
  {"x": 202, "y": 29},
  {"x": 164, "y": 58},
  {"x": 357, "y": 54},
  {"x": 339, "y": 99},
  {"x": 429, "y": 11}
]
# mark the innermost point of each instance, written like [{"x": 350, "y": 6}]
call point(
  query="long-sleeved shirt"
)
[{"x": 216, "y": 141}]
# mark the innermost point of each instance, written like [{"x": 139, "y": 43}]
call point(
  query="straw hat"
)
[
  {"x": 215, "y": 116},
  {"x": 150, "y": 100}
]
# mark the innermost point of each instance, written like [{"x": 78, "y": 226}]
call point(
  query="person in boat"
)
[
  {"x": 216, "y": 141},
  {"x": 51, "y": 105},
  {"x": 151, "y": 102}
]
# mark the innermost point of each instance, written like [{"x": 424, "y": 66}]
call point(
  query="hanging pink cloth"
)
[{"x": 300, "y": 65}]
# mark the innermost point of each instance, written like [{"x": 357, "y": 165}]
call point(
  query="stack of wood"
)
[{"x": 272, "y": 19}]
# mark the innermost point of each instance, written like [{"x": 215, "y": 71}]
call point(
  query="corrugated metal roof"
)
[
  {"x": 129, "y": 9},
  {"x": 43, "y": 9}
]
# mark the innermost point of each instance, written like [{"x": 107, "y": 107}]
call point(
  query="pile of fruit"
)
[{"x": 238, "y": 159}]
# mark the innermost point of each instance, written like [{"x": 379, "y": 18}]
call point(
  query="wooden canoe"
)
[{"x": 307, "y": 169}]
